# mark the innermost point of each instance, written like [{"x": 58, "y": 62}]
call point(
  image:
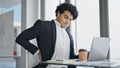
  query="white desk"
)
[{"x": 108, "y": 63}]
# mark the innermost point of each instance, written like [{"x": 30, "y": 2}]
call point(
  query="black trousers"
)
[{"x": 45, "y": 65}]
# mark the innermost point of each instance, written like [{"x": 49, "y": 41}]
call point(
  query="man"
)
[{"x": 53, "y": 39}]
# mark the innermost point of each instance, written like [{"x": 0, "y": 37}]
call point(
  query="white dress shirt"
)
[{"x": 62, "y": 46}]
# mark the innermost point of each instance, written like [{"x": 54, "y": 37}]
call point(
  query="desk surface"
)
[{"x": 76, "y": 62}]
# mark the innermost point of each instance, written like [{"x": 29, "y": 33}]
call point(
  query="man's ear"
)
[{"x": 58, "y": 14}]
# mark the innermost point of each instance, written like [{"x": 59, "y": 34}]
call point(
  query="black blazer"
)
[{"x": 45, "y": 33}]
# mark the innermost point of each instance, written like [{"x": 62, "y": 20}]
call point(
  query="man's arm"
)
[{"x": 24, "y": 37}]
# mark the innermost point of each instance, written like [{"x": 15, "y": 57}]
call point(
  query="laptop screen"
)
[{"x": 99, "y": 48}]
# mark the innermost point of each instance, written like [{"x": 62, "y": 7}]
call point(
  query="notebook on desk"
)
[{"x": 99, "y": 48}]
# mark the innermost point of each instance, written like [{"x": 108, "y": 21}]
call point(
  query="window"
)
[
  {"x": 9, "y": 61},
  {"x": 114, "y": 15},
  {"x": 50, "y": 9},
  {"x": 87, "y": 24}
]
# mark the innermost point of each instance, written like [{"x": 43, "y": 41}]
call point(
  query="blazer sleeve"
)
[{"x": 24, "y": 37}]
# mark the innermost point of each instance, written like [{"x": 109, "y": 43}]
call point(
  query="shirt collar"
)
[{"x": 58, "y": 23}]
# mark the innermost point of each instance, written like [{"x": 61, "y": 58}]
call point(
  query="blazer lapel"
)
[{"x": 53, "y": 33}]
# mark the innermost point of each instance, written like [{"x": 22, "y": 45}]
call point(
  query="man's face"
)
[{"x": 64, "y": 19}]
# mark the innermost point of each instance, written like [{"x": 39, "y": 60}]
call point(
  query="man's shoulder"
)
[
  {"x": 44, "y": 24},
  {"x": 44, "y": 21}
]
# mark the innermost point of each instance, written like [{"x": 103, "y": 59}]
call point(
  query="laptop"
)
[{"x": 99, "y": 48}]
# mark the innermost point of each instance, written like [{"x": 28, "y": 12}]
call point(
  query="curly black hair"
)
[{"x": 69, "y": 7}]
